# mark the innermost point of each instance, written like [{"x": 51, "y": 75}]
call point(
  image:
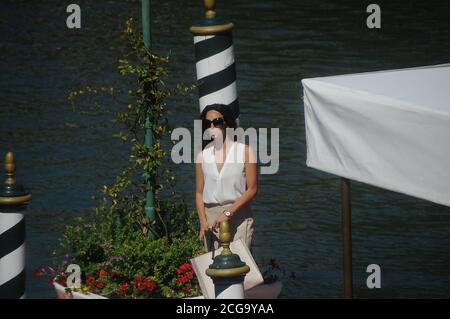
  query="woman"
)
[{"x": 226, "y": 179}]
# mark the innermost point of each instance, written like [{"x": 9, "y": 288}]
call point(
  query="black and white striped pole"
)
[
  {"x": 13, "y": 203},
  {"x": 215, "y": 64}
]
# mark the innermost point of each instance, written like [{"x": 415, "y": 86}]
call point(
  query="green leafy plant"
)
[{"x": 112, "y": 245}]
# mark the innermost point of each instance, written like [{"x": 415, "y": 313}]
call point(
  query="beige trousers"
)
[{"x": 241, "y": 225}]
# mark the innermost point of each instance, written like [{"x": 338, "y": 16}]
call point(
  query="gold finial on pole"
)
[
  {"x": 211, "y": 25},
  {"x": 11, "y": 193},
  {"x": 210, "y": 5},
  {"x": 225, "y": 237},
  {"x": 227, "y": 264},
  {"x": 10, "y": 168}
]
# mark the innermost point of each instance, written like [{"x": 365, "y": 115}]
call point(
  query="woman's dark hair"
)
[{"x": 226, "y": 112}]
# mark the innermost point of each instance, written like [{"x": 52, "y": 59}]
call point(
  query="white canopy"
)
[{"x": 389, "y": 129}]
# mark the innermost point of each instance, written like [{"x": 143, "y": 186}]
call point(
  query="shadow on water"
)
[{"x": 64, "y": 156}]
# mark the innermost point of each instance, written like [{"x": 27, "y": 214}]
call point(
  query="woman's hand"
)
[
  {"x": 203, "y": 229},
  {"x": 220, "y": 219}
]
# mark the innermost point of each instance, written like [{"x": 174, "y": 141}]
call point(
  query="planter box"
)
[
  {"x": 62, "y": 294},
  {"x": 263, "y": 291}
]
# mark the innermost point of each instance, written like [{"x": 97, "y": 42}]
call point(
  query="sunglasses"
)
[{"x": 217, "y": 122}]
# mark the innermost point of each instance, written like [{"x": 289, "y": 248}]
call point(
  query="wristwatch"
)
[{"x": 228, "y": 213}]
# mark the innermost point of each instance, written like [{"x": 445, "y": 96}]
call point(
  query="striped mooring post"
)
[
  {"x": 215, "y": 64},
  {"x": 13, "y": 203}
]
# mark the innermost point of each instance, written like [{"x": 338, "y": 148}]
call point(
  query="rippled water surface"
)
[{"x": 64, "y": 156}]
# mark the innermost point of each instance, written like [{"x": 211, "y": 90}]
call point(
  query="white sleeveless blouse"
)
[{"x": 228, "y": 185}]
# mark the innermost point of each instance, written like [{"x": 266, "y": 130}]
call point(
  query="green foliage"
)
[{"x": 113, "y": 247}]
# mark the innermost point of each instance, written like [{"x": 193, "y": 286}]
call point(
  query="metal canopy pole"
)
[
  {"x": 347, "y": 236},
  {"x": 149, "y": 200}
]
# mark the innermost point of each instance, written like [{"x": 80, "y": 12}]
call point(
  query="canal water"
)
[{"x": 64, "y": 155}]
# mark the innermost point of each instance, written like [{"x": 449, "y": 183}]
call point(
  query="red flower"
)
[
  {"x": 138, "y": 283},
  {"x": 123, "y": 287},
  {"x": 99, "y": 285},
  {"x": 185, "y": 267},
  {"x": 38, "y": 273},
  {"x": 182, "y": 280},
  {"x": 90, "y": 280},
  {"x": 186, "y": 290},
  {"x": 151, "y": 286},
  {"x": 102, "y": 273},
  {"x": 142, "y": 283},
  {"x": 62, "y": 280}
]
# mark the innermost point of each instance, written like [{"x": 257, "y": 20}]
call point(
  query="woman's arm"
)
[
  {"x": 199, "y": 183},
  {"x": 251, "y": 174}
]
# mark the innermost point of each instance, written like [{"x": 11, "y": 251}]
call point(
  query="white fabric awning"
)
[{"x": 389, "y": 129}]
